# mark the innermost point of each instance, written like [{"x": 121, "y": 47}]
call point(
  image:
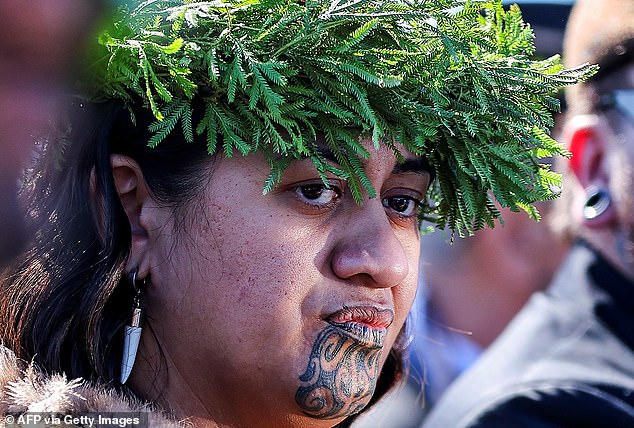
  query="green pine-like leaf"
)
[{"x": 451, "y": 80}]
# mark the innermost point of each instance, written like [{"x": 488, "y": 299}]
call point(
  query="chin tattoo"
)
[{"x": 341, "y": 375}]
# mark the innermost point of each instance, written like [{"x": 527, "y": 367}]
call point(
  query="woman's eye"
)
[
  {"x": 316, "y": 194},
  {"x": 403, "y": 205}
]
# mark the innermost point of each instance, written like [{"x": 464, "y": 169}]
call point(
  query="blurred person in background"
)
[
  {"x": 567, "y": 359},
  {"x": 473, "y": 288},
  {"x": 40, "y": 42}
]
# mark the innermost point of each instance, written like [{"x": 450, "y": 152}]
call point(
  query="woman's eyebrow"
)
[
  {"x": 327, "y": 154},
  {"x": 418, "y": 165}
]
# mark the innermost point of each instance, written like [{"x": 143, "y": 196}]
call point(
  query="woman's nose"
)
[{"x": 370, "y": 248}]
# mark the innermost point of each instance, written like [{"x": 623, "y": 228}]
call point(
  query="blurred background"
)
[{"x": 548, "y": 20}]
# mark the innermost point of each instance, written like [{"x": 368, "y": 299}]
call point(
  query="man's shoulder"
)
[{"x": 538, "y": 371}]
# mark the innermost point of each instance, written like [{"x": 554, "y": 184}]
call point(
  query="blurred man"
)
[{"x": 567, "y": 359}]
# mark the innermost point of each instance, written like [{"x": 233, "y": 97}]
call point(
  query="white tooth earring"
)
[{"x": 132, "y": 335}]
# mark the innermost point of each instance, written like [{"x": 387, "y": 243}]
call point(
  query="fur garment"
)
[{"x": 25, "y": 388}]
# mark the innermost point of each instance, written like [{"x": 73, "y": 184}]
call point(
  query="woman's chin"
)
[{"x": 340, "y": 377}]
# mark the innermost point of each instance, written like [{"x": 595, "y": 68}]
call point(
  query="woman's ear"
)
[{"x": 134, "y": 195}]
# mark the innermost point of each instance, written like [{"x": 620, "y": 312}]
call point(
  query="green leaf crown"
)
[{"x": 451, "y": 80}]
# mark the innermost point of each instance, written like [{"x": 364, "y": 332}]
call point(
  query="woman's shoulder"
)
[{"x": 26, "y": 389}]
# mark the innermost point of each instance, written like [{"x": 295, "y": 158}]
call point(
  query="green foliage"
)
[{"x": 451, "y": 80}]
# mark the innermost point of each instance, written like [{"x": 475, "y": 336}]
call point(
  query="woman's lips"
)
[{"x": 366, "y": 324}]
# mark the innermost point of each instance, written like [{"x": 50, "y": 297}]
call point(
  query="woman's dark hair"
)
[{"x": 65, "y": 302}]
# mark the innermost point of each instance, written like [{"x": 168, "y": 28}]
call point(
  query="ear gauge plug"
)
[{"x": 597, "y": 203}]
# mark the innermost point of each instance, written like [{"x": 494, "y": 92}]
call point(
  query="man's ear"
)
[
  {"x": 586, "y": 139},
  {"x": 134, "y": 195}
]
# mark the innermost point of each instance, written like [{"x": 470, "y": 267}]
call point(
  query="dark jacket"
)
[{"x": 566, "y": 360}]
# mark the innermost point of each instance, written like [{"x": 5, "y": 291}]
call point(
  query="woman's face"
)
[{"x": 280, "y": 309}]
